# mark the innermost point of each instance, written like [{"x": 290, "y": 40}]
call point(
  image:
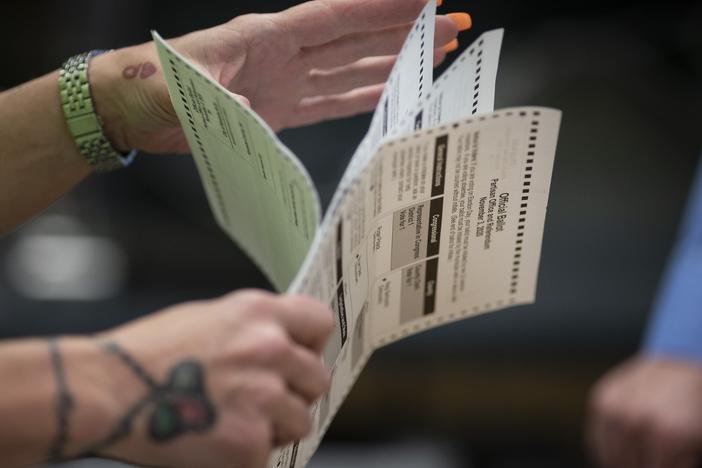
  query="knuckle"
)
[
  {"x": 327, "y": 322},
  {"x": 273, "y": 342},
  {"x": 248, "y": 17},
  {"x": 270, "y": 391},
  {"x": 264, "y": 344},
  {"x": 252, "y": 303},
  {"x": 317, "y": 310},
  {"x": 233, "y": 296},
  {"x": 301, "y": 302},
  {"x": 303, "y": 425},
  {"x": 317, "y": 390},
  {"x": 257, "y": 298},
  {"x": 321, "y": 380}
]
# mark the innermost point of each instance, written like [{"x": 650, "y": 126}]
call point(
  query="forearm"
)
[
  {"x": 30, "y": 406},
  {"x": 39, "y": 160}
]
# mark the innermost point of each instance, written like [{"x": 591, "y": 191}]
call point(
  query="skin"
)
[
  {"x": 648, "y": 413},
  {"x": 316, "y": 61},
  {"x": 256, "y": 355},
  {"x": 260, "y": 353}
]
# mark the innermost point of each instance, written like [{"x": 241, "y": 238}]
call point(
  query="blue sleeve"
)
[{"x": 676, "y": 327}]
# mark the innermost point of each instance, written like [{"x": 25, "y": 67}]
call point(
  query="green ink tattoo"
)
[{"x": 179, "y": 406}]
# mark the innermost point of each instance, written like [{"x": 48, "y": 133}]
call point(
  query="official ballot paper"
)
[{"x": 438, "y": 217}]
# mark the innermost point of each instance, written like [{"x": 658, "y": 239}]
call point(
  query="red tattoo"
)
[
  {"x": 147, "y": 70},
  {"x": 130, "y": 72},
  {"x": 142, "y": 70}
]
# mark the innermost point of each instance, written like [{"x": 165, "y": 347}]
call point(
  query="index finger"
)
[
  {"x": 320, "y": 21},
  {"x": 308, "y": 321}
]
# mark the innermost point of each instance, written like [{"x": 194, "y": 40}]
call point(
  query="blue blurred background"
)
[{"x": 503, "y": 390}]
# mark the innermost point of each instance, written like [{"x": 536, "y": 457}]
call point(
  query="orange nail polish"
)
[
  {"x": 462, "y": 21},
  {"x": 451, "y": 46}
]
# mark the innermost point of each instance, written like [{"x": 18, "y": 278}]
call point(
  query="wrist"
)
[
  {"x": 131, "y": 96},
  {"x": 99, "y": 391}
]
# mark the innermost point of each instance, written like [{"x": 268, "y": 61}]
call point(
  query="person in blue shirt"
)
[{"x": 648, "y": 411}]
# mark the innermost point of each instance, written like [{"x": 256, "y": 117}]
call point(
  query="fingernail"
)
[
  {"x": 462, "y": 21},
  {"x": 451, "y": 46}
]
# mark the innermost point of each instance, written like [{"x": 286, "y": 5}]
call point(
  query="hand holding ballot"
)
[{"x": 316, "y": 61}]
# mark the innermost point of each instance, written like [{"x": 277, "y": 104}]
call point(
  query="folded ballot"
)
[{"x": 438, "y": 217}]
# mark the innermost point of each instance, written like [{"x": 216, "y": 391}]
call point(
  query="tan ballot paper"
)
[{"x": 438, "y": 217}]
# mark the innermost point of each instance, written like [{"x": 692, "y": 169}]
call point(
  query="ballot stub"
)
[{"x": 438, "y": 217}]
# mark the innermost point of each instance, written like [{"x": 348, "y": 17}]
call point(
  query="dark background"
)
[{"x": 503, "y": 390}]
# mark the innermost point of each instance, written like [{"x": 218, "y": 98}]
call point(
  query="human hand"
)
[
  {"x": 647, "y": 413},
  {"x": 216, "y": 383},
  {"x": 319, "y": 60}
]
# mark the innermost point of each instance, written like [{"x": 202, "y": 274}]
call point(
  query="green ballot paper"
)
[{"x": 259, "y": 192}]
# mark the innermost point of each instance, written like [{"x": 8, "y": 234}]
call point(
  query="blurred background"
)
[{"x": 504, "y": 390}]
